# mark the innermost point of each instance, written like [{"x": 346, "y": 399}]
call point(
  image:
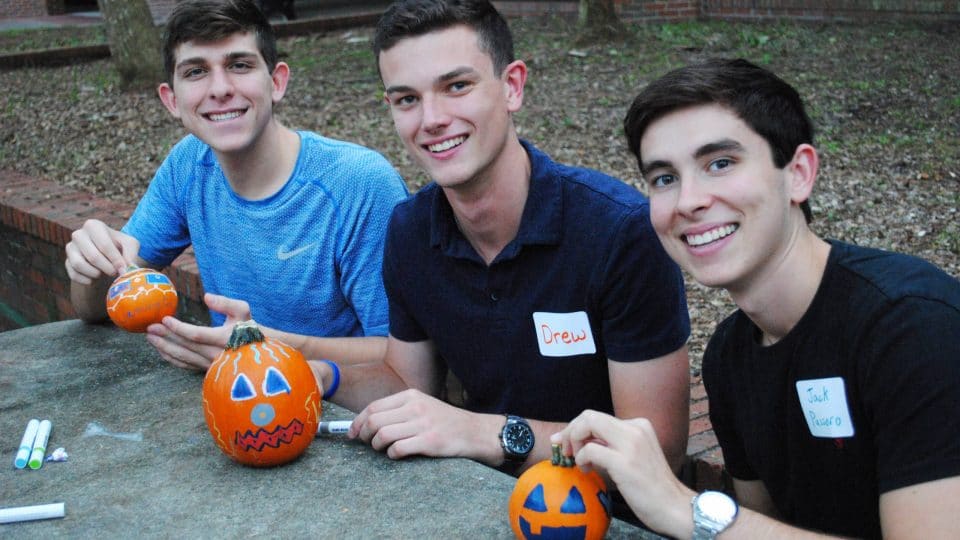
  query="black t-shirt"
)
[{"x": 883, "y": 334}]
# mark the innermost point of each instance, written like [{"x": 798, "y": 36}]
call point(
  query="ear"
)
[
  {"x": 514, "y": 77},
  {"x": 803, "y": 172},
  {"x": 169, "y": 99},
  {"x": 280, "y": 77}
]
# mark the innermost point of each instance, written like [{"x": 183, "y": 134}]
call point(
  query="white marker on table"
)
[
  {"x": 26, "y": 444},
  {"x": 334, "y": 427},
  {"x": 31, "y": 513},
  {"x": 40, "y": 444}
]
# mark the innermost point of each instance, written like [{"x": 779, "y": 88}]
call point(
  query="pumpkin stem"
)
[
  {"x": 558, "y": 459},
  {"x": 244, "y": 333}
]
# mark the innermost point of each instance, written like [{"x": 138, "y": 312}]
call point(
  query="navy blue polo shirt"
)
[{"x": 585, "y": 280}]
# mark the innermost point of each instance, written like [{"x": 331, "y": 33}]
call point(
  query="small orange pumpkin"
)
[
  {"x": 139, "y": 298},
  {"x": 556, "y": 499},
  {"x": 260, "y": 399}
]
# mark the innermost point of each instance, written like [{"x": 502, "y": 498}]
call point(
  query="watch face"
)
[
  {"x": 717, "y": 506},
  {"x": 518, "y": 438}
]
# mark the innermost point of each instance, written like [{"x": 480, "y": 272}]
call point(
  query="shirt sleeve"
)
[
  {"x": 158, "y": 222},
  {"x": 911, "y": 382},
  {"x": 643, "y": 302},
  {"x": 363, "y": 244},
  {"x": 402, "y": 325},
  {"x": 721, "y": 406}
]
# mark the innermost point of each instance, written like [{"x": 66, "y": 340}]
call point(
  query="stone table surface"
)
[{"x": 142, "y": 463}]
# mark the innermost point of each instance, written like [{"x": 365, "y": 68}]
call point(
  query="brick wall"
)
[
  {"x": 848, "y": 10},
  {"x": 36, "y": 219},
  {"x": 658, "y": 11}
]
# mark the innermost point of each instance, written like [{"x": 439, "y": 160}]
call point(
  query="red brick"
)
[
  {"x": 700, "y": 425},
  {"x": 699, "y": 408}
]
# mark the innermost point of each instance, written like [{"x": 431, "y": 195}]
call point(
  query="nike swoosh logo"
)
[{"x": 284, "y": 255}]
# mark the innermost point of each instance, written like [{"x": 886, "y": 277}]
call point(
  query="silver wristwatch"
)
[{"x": 713, "y": 512}]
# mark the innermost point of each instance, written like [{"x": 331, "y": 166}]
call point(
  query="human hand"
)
[
  {"x": 413, "y": 423},
  {"x": 195, "y": 347},
  {"x": 629, "y": 452},
  {"x": 96, "y": 250}
]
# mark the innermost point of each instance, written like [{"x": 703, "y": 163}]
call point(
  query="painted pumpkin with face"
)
[
  {"x": 556, "y": 499},
  {"x": 260, "y": 399},
  {"x": 139, "y": 298}
]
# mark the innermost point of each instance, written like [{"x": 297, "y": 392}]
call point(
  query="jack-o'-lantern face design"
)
[
  {"x": 261, "y": 402},
  {"x": 559, "y": 502}
]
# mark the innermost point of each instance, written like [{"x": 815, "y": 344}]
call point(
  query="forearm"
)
[
  {"x": 344, "y": 351},
  {"x": 675, "y": 520},
  {"x": 90, "y": 301},
  {"x": 360, "y": 383}
]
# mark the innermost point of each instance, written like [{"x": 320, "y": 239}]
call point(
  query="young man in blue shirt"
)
[
  {"x": 540, "y": 286},
  {"x": 286, "y": 226},
  {"x": 835, "y": 388}
]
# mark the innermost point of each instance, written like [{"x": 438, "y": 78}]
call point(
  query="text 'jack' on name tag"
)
[{"x": 824, "y": 404}]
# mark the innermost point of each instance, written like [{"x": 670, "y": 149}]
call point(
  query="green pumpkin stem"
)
[
  {"x": 244, "y": 333},
  {"x": 560, "y": 460}
]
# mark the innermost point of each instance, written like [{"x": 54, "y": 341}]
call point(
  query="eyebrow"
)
[
  {"x": 723, "y": 145},
  {"x": 450, "y": 75},
  {"x": 199, "y": 60}
]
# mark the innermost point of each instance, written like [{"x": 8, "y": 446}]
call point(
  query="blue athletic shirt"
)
[
  {"x": 307, "y": 259},
  {"x": 585, "y": 262}
]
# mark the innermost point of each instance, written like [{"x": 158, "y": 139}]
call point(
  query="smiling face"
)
[
  {"x": 450, "y": 108},
  {"x": 719, "y": 205},
  {"x": 223, "y": 93}
]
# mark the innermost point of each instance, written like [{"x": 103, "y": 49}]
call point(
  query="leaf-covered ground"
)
[{"x": 885, "y": 99}]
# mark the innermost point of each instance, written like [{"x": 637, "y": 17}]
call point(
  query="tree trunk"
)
[
  {"x": 134, "y": 42},
  {"x": 598, "y": 21}
]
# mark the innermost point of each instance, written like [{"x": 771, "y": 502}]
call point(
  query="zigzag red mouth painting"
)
[{"x": 280, "y": 435}]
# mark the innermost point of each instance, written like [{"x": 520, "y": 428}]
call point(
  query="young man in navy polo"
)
[{"x": 541, "y": 287}]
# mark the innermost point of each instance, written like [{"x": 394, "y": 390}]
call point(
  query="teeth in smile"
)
[
  {"x": 697, "y": 240},
  {"x": 446, "y": 145},
  {"x": 219, "y": 117}
]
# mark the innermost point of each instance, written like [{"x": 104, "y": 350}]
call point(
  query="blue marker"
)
[{"x": 26, "y": 444}]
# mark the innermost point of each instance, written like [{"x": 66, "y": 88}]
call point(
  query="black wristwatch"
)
[{"x": 516, "y": 439}]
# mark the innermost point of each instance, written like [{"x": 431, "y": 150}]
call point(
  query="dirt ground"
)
[{"x": 884, "y": 97}]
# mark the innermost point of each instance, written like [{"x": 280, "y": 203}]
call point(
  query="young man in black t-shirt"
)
[{"x": 835, "y": 388}]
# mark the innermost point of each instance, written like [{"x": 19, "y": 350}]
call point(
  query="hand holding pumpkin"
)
[
  {"x": 630, "y": 454},
  {"x": 95, "y": 250},
  {"x": 189, "y": 346}
]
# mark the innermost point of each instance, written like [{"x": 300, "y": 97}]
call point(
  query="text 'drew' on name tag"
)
[
  {"x": 564, "y": 334},
  {"x": 824, "y": 405}
]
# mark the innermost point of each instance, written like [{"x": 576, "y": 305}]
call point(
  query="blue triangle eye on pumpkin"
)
[{"x": 555, "y": 499}]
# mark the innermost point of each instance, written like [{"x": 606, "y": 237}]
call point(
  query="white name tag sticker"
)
[
  {"x": 564, "y": 334},
  {"x": 824, "y": 404}
]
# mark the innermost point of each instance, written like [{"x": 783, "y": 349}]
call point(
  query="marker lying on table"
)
[
  {"x": 335, "y": 427},
  {"x": 23, "y": 454},
  {"x": 31, "y": 513},
  {"x": 40, "y": 444}
]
